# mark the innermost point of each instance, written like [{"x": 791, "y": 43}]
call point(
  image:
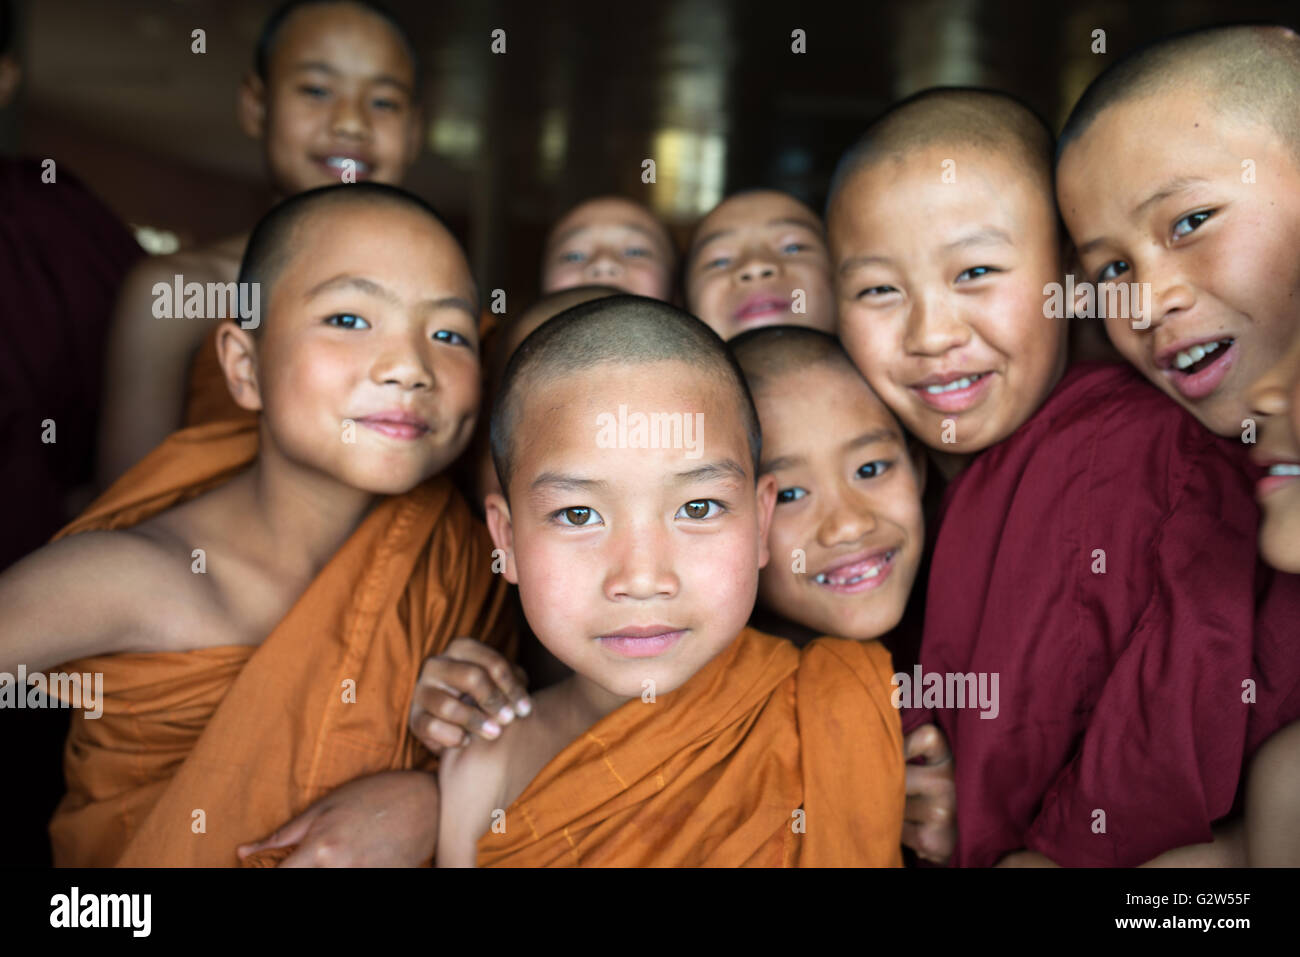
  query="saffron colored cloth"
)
[
  {"x": 1102, "y": 563},
  {"x": 207, "y": 397},
  {"x": 63, "y": 255},
  {"x": 250, "y": 736},
  {"x": 769, "y": 756}
]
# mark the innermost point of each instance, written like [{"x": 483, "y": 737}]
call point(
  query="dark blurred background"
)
[
  {"x": 584, "y": 93},
  {"x": 586, "y": 90}
]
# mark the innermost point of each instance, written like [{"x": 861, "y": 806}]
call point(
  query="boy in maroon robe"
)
[{"x": 1094, "y": 609}]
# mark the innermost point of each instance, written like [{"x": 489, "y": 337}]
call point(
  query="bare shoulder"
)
[{"x": 90, "y": 594}]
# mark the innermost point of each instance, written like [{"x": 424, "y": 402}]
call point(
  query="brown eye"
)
[
  {"x": 577, "y": 516},
  {"x": 698, "y": 509}
]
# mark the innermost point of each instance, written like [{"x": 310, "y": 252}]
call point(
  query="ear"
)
[
  {"x": 251, "y": 107},
  {"x": 237, "y": 353},
  {"x": 11, "y": 74},
  {"x": 497, "y": 512},
  {"x": 920, "y": 464},
  {"x": 765, "y": 494}
]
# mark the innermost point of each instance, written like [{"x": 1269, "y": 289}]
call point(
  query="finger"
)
[
  {"x": 459, "y": 711},
  {"x": 930, "y": 783},
  {"x": 928, "y": 743},
  {"x": 506, "y": 679},
  {"x": 291, "y": 833},
  {"x": 437, "y": 735}
]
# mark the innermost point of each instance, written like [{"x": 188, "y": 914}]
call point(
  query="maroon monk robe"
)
[
  {"x": 1120, "y": 691},
  {"x": 63, "y": 255}
]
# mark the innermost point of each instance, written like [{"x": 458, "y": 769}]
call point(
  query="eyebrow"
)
[
  {"x": 861, "y": 441},
  {"x": 371, "y": 288},
  {"x": 1175, "y": 185},
  {"x": 570, "y": 483},
  {"x": 573, "y": 231},
  {"x": 576, "y": 483},
  {"x": 323, "y": 67},
  {"x": 782, "y": 221},
  {"x": 723, "y": 468},
  {"x": 984, "y": 236}
]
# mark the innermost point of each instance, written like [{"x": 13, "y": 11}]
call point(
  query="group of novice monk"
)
[{"x": 308, "y": 637}]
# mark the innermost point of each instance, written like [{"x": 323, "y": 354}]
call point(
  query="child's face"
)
[
  {"x": 633, "y": 564},
  {"x": 940, "y": 287},
  {"x": 1275, "y": 403},
  {"x": 368, "y": 366},
  {"x": 1153, "y": 193},
  {"x": 754, "y": 255},
  {"x": 339, "y": 88},
  {"x": 847, "y": 532},
  {"x": 610, "y": 242}
]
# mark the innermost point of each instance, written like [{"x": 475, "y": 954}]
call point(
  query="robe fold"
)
[
  {"x": 769, "y": 756},
  {"x": 1102, "y": 563},
  {"x": 200, "y": 751}
]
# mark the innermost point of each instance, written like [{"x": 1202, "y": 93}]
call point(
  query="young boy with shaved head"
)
[
  {"x": 759, "y": 259},
  {"x": 259, "y": 598},
  {"x": 1095, "y": 548},
  {"x": 610, "y": 241},
  {"x": 332, "y": 97},
  {"x": 682, "y": 737},
  {"x": 1178, "y": 171}
]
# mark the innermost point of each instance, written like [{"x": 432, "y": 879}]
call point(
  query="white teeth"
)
[
  {"x": 1287, "y": 469},
  {"x": 872, "y": 572},
  {"x": 962, "y": 383},
  {"x": 1195, "y": 354},
  {"x": 344, "y": 162}
]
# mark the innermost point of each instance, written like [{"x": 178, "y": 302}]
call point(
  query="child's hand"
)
[
  {"x": 469, "y": 687},
  {"x": 383, "y": 820},
  {"x": 930, "y": 815}
]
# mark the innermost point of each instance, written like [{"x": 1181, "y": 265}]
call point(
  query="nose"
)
[
  {"x": 1170, "y": 293},
  {"x": 848, "y": 518},
  {"x": 641, "y": 566},
  {"x": 350, "y": 119},
  {"x": 758, "y": 264},
  {"x": 933, "y": 329},
  {"x": 604, "y": 265},
  {"x": 404, "y": 363}
]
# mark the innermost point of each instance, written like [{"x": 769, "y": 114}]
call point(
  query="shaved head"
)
[
  {"x": 986, "y": 119},
  {"x": 617, "y": 330},
  {"x": 1249, "y": 71},
  {"x": 767, "y": 354},
  {"x": 271, "y": 244}
]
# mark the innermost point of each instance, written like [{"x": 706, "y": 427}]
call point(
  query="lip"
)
[
  {"x": 760, "y": 306},
  {"x": 396, "y": 424},
  {"x": 641, "y": 641},
  {"x": 1268, "y": 484},
  {"x": 854, "y": 565},
  {"x": 959, "y": 400},
  {"x": 1198, "y": 385},
  {"x": 365, "y": 167}
]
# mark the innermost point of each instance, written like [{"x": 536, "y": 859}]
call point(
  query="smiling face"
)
[
  {"x": 1275, "y": 402},
  {"x": 940, "y": 287},
  {"x": 609, "y": 242},
  {"x": 338, "y": 95},
  {"x": 633, "y": 564},
  {"x": 848, "y": 501},
  {"x": 756, "y": 259},
  {"x": 367, "y": 369},
  {"x": 1153, "y": 192}
]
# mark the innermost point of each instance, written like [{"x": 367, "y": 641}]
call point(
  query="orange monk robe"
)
[
  {"x": 250, "y": 736},
  {"x": 767, "y": 757}
]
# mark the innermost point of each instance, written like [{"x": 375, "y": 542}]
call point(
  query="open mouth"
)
[
  {"x": 1196, "y": 371},
  {"x": 1278, "y": 475},
  {"x": 1193, "y": 360},
  {"x": 954, "y": 392},
  {"x": 757, "y": 307},
  {"x": 340, "y": 165},
  {"x": 858, "y": 574}
]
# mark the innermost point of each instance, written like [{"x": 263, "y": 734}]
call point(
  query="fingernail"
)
[
  {"x": 491, "y": 729},
  {"x": 524, "y": 707},
  {"x": 505, "y": 715}
]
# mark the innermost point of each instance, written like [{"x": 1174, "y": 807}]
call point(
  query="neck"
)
[
  {"x": 588, "y": 701},
  {"x": 773, "y": 624},
  {"x": 296, "y": 517},
  {"x": 950, "y": 464}
]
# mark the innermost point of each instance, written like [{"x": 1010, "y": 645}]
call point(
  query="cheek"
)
[
  {"x": 1013, "y": 323},
  {"x": 872, "y": 343}
]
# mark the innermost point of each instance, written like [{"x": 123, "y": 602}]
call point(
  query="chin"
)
[{"x": 1280, "y": 544}]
